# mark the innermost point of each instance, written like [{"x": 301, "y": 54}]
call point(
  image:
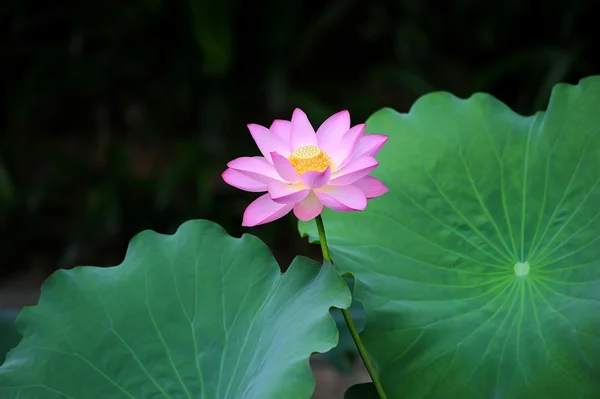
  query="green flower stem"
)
[{"x": 349, "y": 322}]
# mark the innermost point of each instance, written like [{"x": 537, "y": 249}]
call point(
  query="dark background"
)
[{"x": 120, "y": 116}]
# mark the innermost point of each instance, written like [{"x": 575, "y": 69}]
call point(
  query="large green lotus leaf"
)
[
  {"x": 480, "y": 270},
  {"x": 197, "y": 314}
]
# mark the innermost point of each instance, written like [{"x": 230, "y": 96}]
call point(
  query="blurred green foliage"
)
[
  {"x": 9, "y": 337},
  {"x": 120, "y": 116},
  {"x": 345, "y": 355}
]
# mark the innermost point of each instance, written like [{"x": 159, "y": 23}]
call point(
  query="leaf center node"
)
[{"x": 522, "y": 268}]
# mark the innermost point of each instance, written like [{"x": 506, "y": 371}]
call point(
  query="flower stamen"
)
[{"x": 309, "y": 158}]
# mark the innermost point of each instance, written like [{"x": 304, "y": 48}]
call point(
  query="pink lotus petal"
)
[
  {"x": 243, "y": 182},
  {"x": 346, "y": 145},
  {"x": 354, "y": 170},
  {"x": 268, "y": 142},
  {"x": 316, "y": 179},
  {"x": 302, "y": 131},
  {"x": 257, "y": 168},
  {"x": 284, "y": 168},
  {"x": 264, "y": 210},
  {"x": 309, "y": 208},
  {"x": 342, "y": 198},
  {"x": 368, "y": 144},
  {"x": 282, "y": 129},
  {"x": 371, "y": 186},
  {"x": 283, "y": 193},
  {"x": 332, "y": 130}
]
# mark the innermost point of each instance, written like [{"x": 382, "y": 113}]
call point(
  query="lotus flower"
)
[{"x": 304, "y": 171}]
